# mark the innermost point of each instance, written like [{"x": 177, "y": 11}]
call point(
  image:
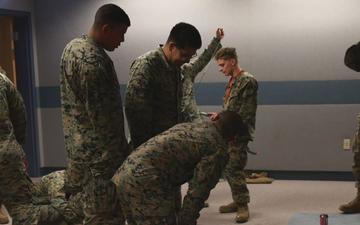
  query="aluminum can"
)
[{"x": 324, "y": 219}]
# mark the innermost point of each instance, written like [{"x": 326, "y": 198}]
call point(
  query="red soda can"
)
[{"x": 324, "y": 219}]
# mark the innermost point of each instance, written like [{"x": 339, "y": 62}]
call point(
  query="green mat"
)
[{"x": 334, "y": 219}]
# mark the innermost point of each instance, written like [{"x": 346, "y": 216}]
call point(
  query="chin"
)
[{"x": 110, "y": 49}]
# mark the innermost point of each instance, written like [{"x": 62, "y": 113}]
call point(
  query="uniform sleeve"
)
[
  {"x": 100, "y": 94},
  {"x": 206, "y": 176},
  {"x": 194, "y": 68},
  {"x": 244, "y": 94},
  {"x": 138, "y": 101},
  {"x": 95, "y": 94},
  {"x": 17, "y": 113}
]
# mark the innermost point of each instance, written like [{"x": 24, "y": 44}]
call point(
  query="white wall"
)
[{"x": 277, "y": 40}]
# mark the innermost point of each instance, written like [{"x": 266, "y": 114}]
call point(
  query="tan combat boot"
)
[
  {"x": 229, "y": 208},
  {"x": 3, "y": 218},
  {"x": 353, "y": 206},
  {"x": 242, "y": 214}
]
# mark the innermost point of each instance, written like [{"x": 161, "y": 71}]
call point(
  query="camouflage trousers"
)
[
  {"x": 146, "y": 200},
  {"x": 48, "y": 205},
  {"x": 52, "y": 184},
  {"x": 42, "y": 211},
  {"x": 234, "y": 172},
  {"x": 98, "y": 193},
  {"x": 356, "y": 150},
  {"x": 356, "y": 168}
]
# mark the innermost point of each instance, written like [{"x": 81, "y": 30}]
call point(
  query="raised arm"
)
[{"x": 194, "y": 68}]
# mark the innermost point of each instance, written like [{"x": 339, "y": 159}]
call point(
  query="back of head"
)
[
  {"x": 185, "y": 35},
  {"x": 352, "y": 57},
  {"x": 231, "y": 125},
  {"x": 226, "y": 53},
  {"x": 111, "y": 14}
]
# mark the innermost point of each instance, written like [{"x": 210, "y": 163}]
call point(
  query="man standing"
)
[
  {"x": 149, "y": 178},
  {"x": 352, "y": 60},
  {"x": 92, "y": 113},
  {"x": 240, "y": 97},
  {"x": 153, "y": 96},
  {"x": 20, "y": 196}
]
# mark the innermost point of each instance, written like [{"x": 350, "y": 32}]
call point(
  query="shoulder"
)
[
  {"x": 247, "y": 79},
  {"x": 5, "y": 84},
  {"x": 81, "y": 49},
  {"x": 150, "y": 57},
  {"x": 151, "y": 60}
]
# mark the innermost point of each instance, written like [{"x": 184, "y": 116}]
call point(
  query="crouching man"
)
[
  {"x": 25, "y": 204},
  {"x": 148, "y": 180}
]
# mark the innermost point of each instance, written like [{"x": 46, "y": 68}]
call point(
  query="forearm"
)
[{"x": 200, "y": 63}]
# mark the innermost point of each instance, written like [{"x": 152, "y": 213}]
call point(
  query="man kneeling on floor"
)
[
  {"x": 21, "y": 197},
  {"x": 149, "y": 178}
]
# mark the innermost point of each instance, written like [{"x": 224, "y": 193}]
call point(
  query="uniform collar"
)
[{"x": 163, "y": 57}]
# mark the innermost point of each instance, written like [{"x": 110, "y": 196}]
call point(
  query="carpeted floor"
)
[{"x": 277, "y": 203}]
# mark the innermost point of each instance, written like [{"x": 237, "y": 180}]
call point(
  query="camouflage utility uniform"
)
[
  {"x": 93, "y": 125},
  {"x": 153, "y": 96},
  {"x": 356, "y": 149},
  {"x": 52, "y": 184},
  {"x": 189, "y": 109},
  {"x": 148, "y": 181},
  {"x": 241, "y": 97},
  {"x": 24, "y": 202}
]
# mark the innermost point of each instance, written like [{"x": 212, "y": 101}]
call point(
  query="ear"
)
[
  {"x": 172, "y": 45},
  {"x": 105, "y": 29},
  {"x": 233, "y": 62}
]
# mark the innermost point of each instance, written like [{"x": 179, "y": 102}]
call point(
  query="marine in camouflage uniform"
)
[
  {"x": 243, "y": 100},
  {"x": 3, "y": 218},
  {"x": 189, "y": 109},
  {"x": 240, "y": 97},
  {"x": 352, "y": 60},
  {"x": 148, "y": 181},
  {"x": 92, "y": 115},
  {"x": 153, "y": 95},
  {"x": 21, "y": 197}
]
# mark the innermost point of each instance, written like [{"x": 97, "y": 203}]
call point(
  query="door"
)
[
  {"x": 7, "y": 49},
  {"x": 16, "y": 58}
]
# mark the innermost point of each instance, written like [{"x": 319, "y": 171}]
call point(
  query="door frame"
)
[{"x": 24, "y": 56}]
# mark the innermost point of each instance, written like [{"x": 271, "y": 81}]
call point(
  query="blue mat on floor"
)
[{"x": 334, "y": 219}]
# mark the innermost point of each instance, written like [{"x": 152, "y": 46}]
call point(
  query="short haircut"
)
[
  {"x": 232, "y": 124},
  {"x": 185, "y": 35},
  {"x": 352, "y": 57},
  {"x": 111, "y": 14},
  {"x": 226, "y": 53}
]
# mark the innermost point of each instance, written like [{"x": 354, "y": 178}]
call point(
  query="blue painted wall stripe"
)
[{"x": 270, "y": 93}]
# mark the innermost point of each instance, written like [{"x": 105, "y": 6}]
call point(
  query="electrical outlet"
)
[{"x": 346, "y": 144}]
